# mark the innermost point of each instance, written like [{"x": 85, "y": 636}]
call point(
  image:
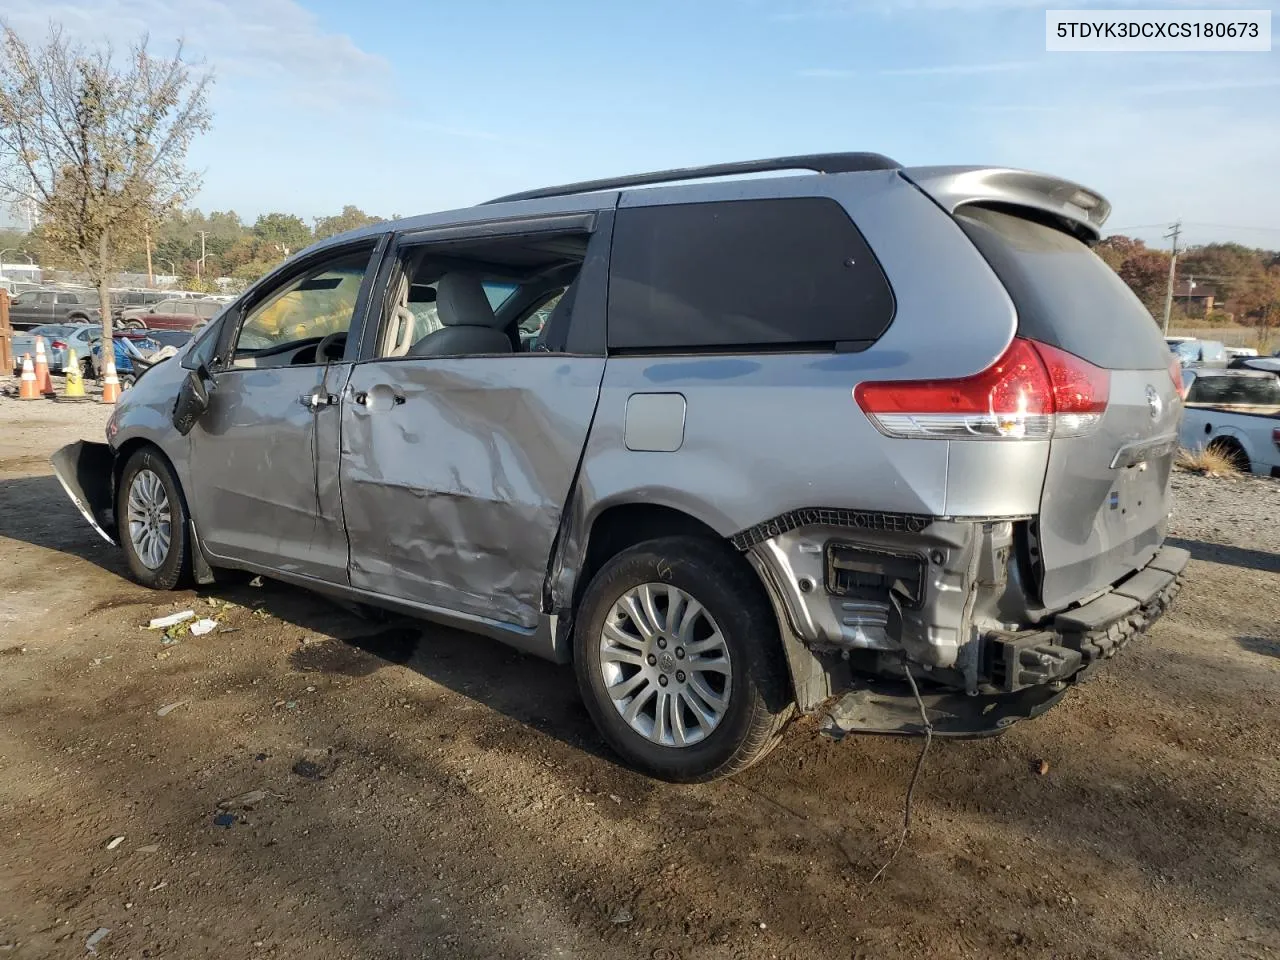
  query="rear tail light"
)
[
  {"x": 1033, "y": 392},
  {"x": 1175, "y": 373},
  {"x": 1275, "y": 436},
  {"x": 58, "y": 344}
]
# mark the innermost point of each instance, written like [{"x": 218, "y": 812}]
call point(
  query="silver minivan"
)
[{"x": 861, "y": 441}]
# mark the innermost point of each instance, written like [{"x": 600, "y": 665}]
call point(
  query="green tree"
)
[
  {"x": 351, "y": 218},
  {"x": 284, "y": 232},
  {"x": 99, "y": 148}
]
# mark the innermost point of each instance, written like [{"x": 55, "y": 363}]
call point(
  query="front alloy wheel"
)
[{"x": 150, "y": 520}]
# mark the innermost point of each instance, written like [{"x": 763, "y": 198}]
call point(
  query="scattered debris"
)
[
  {"x": 1041, "y": 767},
  {"x": 149, "y": 848},
  {"x": 201, "y": 627},
  {"x": 114, "y": 842},
  {"x": 620, "y": 916},
  {"x": 224, "y": 820},
  {"x": 291, "y": 705},
  {"x": 246, "y": 801},
  {"x": 12, "y": 651},
  {"x": 315, "y": 764},
  {"x": 158, "y": 886},
  {"x": 260, "y": 612},
  {"x": 615, "y": 798},
  {"x": 95, "y": 938},
  {"x": 255, "y": 582},
  {"x": 170, "y": 707},
  {"x": 169, "y": 621}
]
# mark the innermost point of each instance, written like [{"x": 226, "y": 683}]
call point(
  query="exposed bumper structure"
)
[
  {"x": 86, "y": 472},
  {"x": 944, "y": 600}
]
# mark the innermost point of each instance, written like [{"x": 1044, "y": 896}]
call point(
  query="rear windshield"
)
[
  {"x": 1066, "y": 296},
  {"x": 1253, "y": 391}
]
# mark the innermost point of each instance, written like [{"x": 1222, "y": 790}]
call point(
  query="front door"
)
[
  {"x": 463, "y": 431},
  {"x": 265, "y": 454}
]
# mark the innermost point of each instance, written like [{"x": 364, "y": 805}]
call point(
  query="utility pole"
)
[
  {"x": 1173, "y": 234},
  {"x": 151, "y": 275},
  {"x": 200, "y": 264}
]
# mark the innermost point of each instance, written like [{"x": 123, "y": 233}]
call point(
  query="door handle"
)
[
  {"x": 314, "y": 401},
  {"x": 365, "y": 400}
]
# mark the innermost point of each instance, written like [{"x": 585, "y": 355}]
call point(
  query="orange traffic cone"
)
[
  {"x": 110, "y": 383},
  {"x": 28, "y": 389},
  {"x": 44, "y": 382}
]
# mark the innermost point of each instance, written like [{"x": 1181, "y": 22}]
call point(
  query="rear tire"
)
[
  {"x": 728, "y": 695},
  {"x": 151, "y": 522}
]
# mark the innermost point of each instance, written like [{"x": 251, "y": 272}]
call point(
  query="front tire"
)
[
  {"x": 151, "y": 522},
  {"x": 678, "y": 660}
]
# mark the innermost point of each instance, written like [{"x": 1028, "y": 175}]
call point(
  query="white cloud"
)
[{"x": 267, "y": 47}]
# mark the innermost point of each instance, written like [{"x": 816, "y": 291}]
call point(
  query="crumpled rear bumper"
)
[
  {"x": 1029, "y": 671},
  {"x": 87, "y": 473}
]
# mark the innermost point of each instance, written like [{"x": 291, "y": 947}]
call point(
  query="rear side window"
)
[
  {"x": 781, "y": 273},
  {"x": 1066, "y": 296},
  {"x": 1253, "y": 391}
]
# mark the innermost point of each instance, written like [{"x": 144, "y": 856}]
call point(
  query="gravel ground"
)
[
  {"x": 1228, "y": 511},
  {"x": 419, "y": 792}
]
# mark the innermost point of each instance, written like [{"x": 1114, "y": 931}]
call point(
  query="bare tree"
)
[{"x": 100, "y": 150}]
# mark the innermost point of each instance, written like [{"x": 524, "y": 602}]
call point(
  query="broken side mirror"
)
[{"x": 193, "y": 400}]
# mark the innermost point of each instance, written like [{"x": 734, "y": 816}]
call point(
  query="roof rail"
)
[{"x": 817, "y": 162}]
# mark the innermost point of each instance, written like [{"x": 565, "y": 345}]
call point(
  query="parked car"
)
[
  {"x": 1201, "y": 352},
  {"x": 1234, "y": 353},
  {"x": 870, "y": 443},
  {"x": 58, "y": 337},
  {"x": 32, "y": 308},
  {"x": 1267, "y": 364},
  {"x": 126, "y": 301},
  {"x": 1237, "y": 413},
  {"x": 178, "y": 313}
]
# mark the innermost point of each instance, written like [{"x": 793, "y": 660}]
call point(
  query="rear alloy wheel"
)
[
  {"x": 679, "y": 662},
  {"x": 151, "y": 521}
]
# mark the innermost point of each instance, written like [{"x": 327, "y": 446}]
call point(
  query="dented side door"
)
[{"x": 455, "y": 471}]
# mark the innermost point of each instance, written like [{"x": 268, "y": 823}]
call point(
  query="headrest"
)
[{"x": 461, "y": 301}]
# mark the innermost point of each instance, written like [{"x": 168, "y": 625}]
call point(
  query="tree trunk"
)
[{"x": 104, "y": 299}]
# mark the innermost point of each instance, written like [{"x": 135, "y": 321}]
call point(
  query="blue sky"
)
[{"x": 406, "y": 106}]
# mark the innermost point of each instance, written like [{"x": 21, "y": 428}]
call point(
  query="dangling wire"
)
[{"x": 915, "y": 777}]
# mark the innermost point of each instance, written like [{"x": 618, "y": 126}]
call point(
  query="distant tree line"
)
[
  {"x": 232, "y": 247},
  {"x": 1245, "y": 281}
]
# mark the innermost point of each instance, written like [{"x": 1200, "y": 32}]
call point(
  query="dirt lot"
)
[{"x": 427, "y": 793}]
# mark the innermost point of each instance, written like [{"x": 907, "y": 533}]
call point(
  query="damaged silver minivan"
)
[{"x": 862, "y": 441}]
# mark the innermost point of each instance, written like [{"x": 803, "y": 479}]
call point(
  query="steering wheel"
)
[{"x": 322, "y": 348}]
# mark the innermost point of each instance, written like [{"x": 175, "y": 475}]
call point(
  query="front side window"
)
[
  {"x": 277, "y": 330},
  {"x": 25, "y": 299},
  {"x": 47, "y": 298}
]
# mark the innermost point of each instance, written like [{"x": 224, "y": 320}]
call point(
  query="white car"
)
[{"x": 1236, "y": 412}]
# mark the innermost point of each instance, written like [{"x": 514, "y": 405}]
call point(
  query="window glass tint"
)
[
  {"x": 1065, "y": 295},
  {"x": 1254, "y": 391},
  {"x": 743, "y": 273},
  {"x": 314, "y": 305}
]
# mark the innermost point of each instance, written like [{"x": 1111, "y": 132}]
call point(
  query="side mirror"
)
[{"x": 192, "y": 402}]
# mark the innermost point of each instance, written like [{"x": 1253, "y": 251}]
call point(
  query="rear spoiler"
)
[{"x": 1077, "y": 209}]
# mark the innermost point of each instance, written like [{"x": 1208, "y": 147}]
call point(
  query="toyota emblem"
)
[{"x": 1154, "y": 402}]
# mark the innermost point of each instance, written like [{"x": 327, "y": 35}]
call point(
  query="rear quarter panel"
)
[{"x": 768, "y": 433}]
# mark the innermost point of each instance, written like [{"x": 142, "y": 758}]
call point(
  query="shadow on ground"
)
[{"x": 1229, "y": 555}]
